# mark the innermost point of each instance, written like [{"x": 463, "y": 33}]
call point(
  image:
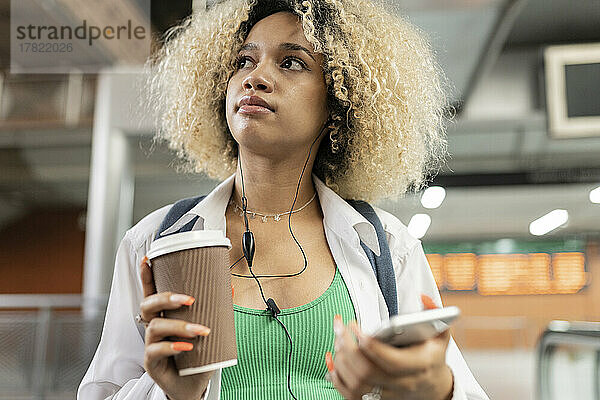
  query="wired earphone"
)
[{"x": 248, "y": 253}]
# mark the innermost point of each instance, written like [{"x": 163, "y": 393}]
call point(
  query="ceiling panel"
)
[
  {"x": 459, "y": 36},
  {"x": 473, "y": 213}
]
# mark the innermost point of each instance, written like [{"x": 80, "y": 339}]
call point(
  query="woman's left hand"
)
[{"x": 418, "y": 371}]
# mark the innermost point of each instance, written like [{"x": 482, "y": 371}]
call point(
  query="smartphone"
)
[{"x": 406, "y": 329}]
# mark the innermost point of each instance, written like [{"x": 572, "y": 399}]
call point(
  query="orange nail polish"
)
[
  {"x": 182, "y": 346},
  {"x": 427, "y": 302},
  {"x": 329, "y": 361},
  {"x": 190, "y": 301},
  {"x": 145, "y": 260},
  {"x": 338, "y": 325}
]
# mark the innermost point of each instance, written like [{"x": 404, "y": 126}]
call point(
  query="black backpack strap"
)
[
  {"x": 382, "y": 264},
  {"x": 177, "y": 211}
]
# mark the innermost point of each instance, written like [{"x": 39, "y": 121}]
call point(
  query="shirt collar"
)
[{"x": 338, "y": 215}]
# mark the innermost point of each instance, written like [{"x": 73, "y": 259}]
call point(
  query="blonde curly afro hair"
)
[{"x": 385, "y": 93}]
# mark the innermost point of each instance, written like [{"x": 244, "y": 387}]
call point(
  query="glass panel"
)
[
  {"x": 17, "y": 339},
  {"x": 62, "y": 363},
  {"x": 572, "y": 372}
]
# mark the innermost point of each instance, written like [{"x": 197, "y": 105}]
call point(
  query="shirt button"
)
[{"x": 362, "y": 285}]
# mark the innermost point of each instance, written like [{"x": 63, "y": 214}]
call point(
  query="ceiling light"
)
[
  {"x": 595, "y": 195},
  {"x": 418, "y": 225},
  {"x": 548, "y": 222},
  {"x": 433, "y": 197}
]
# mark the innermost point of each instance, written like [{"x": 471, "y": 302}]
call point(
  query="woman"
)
[{"x": 352, "y": 108}]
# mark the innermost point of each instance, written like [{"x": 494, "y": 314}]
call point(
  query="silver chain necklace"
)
[{"x": 264, "y": 217}]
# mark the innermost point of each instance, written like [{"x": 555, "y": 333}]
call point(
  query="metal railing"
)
[
  {"x": 568, "y": 361},
  {"x": 45, "y": 353}
]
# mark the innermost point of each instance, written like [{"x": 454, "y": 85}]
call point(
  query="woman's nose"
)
[
  {"x": 257, "y": 80},
  {"x": 256, "y": 84}
]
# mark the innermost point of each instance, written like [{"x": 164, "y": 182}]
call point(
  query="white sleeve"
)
[
  {"x": 420, "y": 277},
  {"x": 116, "y": 371}
]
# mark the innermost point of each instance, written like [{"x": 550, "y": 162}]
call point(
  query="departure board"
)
[{"x": 534, "y": 272}]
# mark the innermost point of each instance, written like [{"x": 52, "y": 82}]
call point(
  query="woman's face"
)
[{"x": 273, "y": 66}]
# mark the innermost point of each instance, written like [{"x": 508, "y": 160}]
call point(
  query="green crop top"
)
[{"x": 263, "y": 347}]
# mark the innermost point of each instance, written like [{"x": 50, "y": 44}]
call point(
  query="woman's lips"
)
[{"x": 248, "y": 109}]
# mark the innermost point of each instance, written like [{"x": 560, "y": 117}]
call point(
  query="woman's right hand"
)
[{"x": 157, "y": 356}]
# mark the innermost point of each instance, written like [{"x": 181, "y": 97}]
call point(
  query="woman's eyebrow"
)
[{"x": 284, "y": 46}]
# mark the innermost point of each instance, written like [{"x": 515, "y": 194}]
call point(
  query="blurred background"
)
[{"x": 511, "y": 226}]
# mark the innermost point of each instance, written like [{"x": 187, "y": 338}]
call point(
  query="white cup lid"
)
[{"x": 187, "y": 240}]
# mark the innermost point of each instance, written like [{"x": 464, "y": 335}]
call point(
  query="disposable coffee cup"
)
[{"x": 196, "y": 263}]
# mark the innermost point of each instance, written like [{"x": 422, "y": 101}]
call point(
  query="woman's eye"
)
[
  {"x": 240, "y": 62},
  {"x": 296, "y": 60}
]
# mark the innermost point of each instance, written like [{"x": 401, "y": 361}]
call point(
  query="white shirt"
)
[{"x": 117, "y": 372}]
